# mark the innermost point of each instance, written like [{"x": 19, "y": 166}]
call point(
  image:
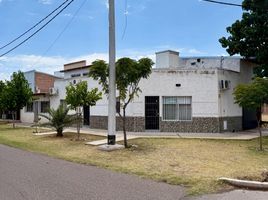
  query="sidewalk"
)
[{"x": 242, "y": 135}]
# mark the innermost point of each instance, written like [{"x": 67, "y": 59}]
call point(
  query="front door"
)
[
  {"x": 86, "y": 113},
  {"x": 152, "y": 113}
]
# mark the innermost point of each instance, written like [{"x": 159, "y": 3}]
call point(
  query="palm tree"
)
[{"x": 59, "y": 119}]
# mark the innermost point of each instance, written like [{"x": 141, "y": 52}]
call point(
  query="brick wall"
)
[{"x": 44, "y": 82}]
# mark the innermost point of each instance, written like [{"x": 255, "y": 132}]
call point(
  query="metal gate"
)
[{"x": 152, "y": 113}]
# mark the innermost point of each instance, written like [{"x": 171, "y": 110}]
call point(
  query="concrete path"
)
[{"x": 25, "y": 175}]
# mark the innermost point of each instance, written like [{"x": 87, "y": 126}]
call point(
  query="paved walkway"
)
[
  {"x": 242, "y": 135},
  {"x": 26, "y": 175}
]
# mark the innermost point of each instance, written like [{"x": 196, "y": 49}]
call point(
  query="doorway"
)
[
  {"x": 86, "y": 114},
  {"x": 152, "y": 113}
]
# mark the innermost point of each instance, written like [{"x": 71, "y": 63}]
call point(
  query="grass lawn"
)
[{"x": 193, "y": 163}]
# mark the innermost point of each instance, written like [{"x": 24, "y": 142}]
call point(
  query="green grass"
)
[{"x": 193, "y": 163}]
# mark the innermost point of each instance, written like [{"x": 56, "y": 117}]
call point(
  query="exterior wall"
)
[
  {"x": 44, "y": 82},
  {"x": 229, "y": 111},
  {"x": 28, "y": 117},
  {"x": 68, "y": 74},
  {"x": 199, "y": 84},
  {"x": 212, "y": 109},
  {"x": 30, "y": 77}
]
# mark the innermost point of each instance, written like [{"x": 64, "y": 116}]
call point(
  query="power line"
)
[
  {"x": 14, "y": 40},
  {"x": 37, "y": 30},
  {"x": 224, "y": 3},
  {"x": 63, "y": 30},
  {"x": 126, "y": 19}
]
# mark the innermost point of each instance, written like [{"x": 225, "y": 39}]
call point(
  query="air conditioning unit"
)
[
  {"x": 37, "y": 90},
  {"x": 224, "y": 84},
  {"x": 53, "y": 91}
]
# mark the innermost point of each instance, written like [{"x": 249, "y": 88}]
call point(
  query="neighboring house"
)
[
  {"x": 181, "y": 95},
  {"x": 42, "y": 86}
]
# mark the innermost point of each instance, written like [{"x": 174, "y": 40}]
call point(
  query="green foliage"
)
[
  {"x": 249, "y": 36},
  {"x": 59, "y": 119},
  {"x": 16, "y": 93},
  {"x": 253, "y": 95},
  {"x": 78, "y": 95},
  {"x": 2, "y": 89},
  {"x": 129, "y": 72}
]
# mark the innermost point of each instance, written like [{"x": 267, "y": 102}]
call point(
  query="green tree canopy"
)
[
  {"x": 249, "y": 36},
  {"x": 78, "y": 95},
  {"x": 253, "y": 96},
  {"x": 59, "y": 119},
  {"x": 16, "y": 93},
  {"x": 129, "y": 72},
  {"x": 2, "y": 89}
]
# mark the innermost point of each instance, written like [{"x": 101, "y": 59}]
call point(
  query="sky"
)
[{"x": 143, "y": 27}]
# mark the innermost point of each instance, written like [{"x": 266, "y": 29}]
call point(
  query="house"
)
[
  {"x": 42, "y": 85},
  {"x": 192, "y": 94}
]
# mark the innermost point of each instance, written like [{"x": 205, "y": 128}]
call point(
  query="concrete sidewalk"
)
[{"x": 242, "y": 135}]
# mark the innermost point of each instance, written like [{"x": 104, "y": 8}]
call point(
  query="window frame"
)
[
  {"x": 27, "y": 106},
  {"x": 42, "y": 109},
  {"x": 178, "y": 107}
]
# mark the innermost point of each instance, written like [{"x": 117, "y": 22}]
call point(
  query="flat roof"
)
[{"x": 84, "y": 67}]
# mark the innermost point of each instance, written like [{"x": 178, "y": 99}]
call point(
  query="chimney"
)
[{"x": 167, "y": 59}]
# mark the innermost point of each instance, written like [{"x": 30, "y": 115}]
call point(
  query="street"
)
[{"x": 26, "y": 175}]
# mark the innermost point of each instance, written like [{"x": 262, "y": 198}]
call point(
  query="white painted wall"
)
[
  {"x": 227, "y": 106},
  {"x": 201, "y": 83},
  {"x": 30, "y": 77}
]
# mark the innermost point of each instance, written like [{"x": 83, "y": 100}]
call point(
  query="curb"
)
[{"x": 245, "y": 183}]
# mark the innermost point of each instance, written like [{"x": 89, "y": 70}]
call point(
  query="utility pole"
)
[{"x": 112, "y": 85}]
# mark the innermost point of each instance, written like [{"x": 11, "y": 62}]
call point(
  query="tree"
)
[
  {"x": 249, "y": 36},
  {"x": 129, "y": 72},
  {"x": 16, "y": 94},
  {"x": 78, "y": 96},
  {"x": 253, "y": 96},
  {"x": 59, "y": 119},
  {"x": 2, "y": 89}
]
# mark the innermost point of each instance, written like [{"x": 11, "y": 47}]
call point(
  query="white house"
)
[{"x": 181, "y": 95}]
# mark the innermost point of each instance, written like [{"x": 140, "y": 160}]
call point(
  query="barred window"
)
[
  {"x": 45, "y": 105},
  {"x": 29, "y": 107},
  {"x": 177, "y": 108},
  {"x": 63, "y": 103}
]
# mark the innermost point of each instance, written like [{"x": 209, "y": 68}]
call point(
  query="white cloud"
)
[
  {"x": 50, "y": 64},
  {"x": 45, "y": 2}
]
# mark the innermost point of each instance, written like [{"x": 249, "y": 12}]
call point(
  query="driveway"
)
[{"x": 26, "y": 175}]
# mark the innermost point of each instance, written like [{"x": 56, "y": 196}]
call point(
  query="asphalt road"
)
[
  {"x": 236, "y": 195},
  {"x": 30, "y": 176},
  {"x": 25, "y": 175}
]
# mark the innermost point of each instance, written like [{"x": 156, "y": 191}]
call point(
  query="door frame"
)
[{"x": 157, "y": 113}]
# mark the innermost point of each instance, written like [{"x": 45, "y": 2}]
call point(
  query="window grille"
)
[
  {"x": 45, "y": 105},
  {"x": 177, "y": 108}
]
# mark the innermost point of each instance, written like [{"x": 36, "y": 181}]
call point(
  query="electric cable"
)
[
  {"x": 24, "y": 33},
  {"x": 38, "y": 30}
]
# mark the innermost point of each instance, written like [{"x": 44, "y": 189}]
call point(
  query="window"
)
[
  {"x": 29, "y": 107},
  {"x": 117, "y": 105},
  {"x": 85, "y": 74},
  {"x": 177, "y": 108},
  {"x": 45, "y": 105},
  {"x": 63, "y": 102},
  {"x": 75, "y": 75}
]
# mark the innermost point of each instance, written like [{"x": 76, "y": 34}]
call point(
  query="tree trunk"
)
[
  {"x": 259, "y": 127},
  {"x": 124, "y": 128},
  {"x": 59, "y": 133},
  {"x": 78, "y": 125},
  {"x": 13, "y": 119}
]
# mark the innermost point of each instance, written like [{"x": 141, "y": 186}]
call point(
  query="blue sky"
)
[{"x": 191, "y": 27}]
